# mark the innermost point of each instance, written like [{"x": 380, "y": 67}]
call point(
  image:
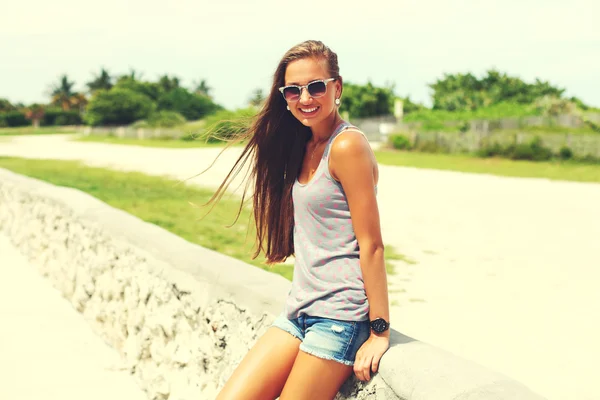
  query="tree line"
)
[{"x": 127, "y": 98}]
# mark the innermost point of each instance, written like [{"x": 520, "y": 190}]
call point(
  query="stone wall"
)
[{"x": 183, "y": 316}]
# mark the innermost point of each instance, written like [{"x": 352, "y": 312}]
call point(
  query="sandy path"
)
[
  {"x": 507, "y": 268},
  {"x": 47, "y": 350}
]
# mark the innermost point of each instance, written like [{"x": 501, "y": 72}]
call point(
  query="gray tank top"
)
[{"x": 327, "y": 278}]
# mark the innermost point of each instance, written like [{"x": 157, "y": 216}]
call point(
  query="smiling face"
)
[{"x": 308, "y": 110}]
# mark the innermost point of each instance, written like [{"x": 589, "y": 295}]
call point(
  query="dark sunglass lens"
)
[
  {"x": 291, "y": 93},
  {"x": 317, "y": 89}
]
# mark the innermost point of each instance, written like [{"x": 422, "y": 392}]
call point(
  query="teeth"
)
[{"x": 307, "y": 110}]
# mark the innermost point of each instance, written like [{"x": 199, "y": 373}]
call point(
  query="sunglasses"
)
[{"x": 315, "y": 89}]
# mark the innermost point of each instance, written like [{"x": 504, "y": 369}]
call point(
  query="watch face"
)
[{"x": 379, "y": 325}]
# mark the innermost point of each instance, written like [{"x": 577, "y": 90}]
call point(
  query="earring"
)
[
  {"x": 337, "y": 102},
  {"x": 288, "y": 107}
]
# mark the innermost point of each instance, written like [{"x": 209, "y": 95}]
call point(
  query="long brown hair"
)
[{"x": 276, "y": 143}]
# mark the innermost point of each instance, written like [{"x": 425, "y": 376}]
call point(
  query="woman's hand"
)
[{"x": 369, "y": 354}]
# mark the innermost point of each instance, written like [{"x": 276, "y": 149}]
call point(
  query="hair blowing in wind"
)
[{"x": 275, "y": 148}]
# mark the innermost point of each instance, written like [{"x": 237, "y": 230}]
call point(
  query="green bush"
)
[
  {"x": 59, "y": 117},
  {"x": 540, "y": 152},
  {"x": 141, "y": 123},
  {"x": 522, "y": 152},
  {"x": 165, "y": 119},
  {"x": 533, "y": 151},
  {"x": 13, "y": 119},
  {"x": 118, "y": 107},
  {"x": 150, "y": 89},
  {"x": 429, "y": 146},
  {"x": 190, "y": 105},
  {"x": 565, "y": 153},
  {"x": 400, "y": 142},
  {"x": 362, "y": 101},
  {"x": 493, "y": 150},
  {"x": 160, "y": 119},
  {"x": 5, "y": 106},
  {"x": 455, "y": 92}
]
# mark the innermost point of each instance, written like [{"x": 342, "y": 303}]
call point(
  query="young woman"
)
[{"x": 315, "y": 180}]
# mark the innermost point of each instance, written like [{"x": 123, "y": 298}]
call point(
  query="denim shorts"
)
[{"x": 326, "y": 338}]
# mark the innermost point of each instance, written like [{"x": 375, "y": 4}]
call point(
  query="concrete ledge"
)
[{"x": 183, "y": 316}]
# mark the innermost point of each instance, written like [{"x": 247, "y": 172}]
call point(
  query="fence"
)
[
  {"x": 581, "y": 145},
  {"x": 377, "y": 126},
  {"x": 135, "y": 133},
  {"x": 480, "y": 133},
  {"x": 563, "y": 120}
]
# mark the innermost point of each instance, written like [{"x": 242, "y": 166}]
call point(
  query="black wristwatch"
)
[{"x": 380, "y": 325}]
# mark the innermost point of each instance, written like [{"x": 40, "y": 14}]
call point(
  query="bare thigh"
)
[
  {"x": 264, "y": 370},
  {"x": 315, "y": 378}
]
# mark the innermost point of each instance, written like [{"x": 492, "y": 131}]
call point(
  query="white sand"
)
[
  {"x": 507, "y": 269},
  {"x": 47, "y": 350}
]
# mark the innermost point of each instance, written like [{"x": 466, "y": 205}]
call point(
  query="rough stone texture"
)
[{"x": 183, "y": 316}]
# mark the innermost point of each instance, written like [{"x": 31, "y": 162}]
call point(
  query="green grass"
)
[
  {"x": 391, "y": 254},
  {"x": 569, "y": 171},
  {"x": 157, "y": 200},
  {"x": 436, "y": 120},
  {"x": 164, "y": 143},
  {"x": 501, "y": 110},
  {"x": 30, "y": 130},
  {"x": 165, "y": 202}
]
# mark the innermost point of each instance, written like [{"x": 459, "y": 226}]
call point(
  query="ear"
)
[{"x": 339, "y": 87}]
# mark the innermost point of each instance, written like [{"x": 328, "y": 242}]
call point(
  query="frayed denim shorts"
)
[{"x": 326, "y": 338}]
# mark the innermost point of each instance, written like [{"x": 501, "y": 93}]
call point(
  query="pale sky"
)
[{"x": 235, "y": 45}]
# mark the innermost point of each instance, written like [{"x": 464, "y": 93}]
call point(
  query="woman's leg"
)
[
  {"x": 262, "y": 373},
  {"x": 322, "y": 364},
  {"x": 314, "y": 378}
]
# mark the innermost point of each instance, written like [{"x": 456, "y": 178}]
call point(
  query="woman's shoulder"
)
[
  {"x": 351, "y": 155},
  {"x": 350, "y": 142}
]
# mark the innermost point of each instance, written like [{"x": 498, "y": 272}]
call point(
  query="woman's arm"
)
[{"x": 352, "y": 163}]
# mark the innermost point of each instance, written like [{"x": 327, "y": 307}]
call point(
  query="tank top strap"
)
[{"x": 341, "y": 128}]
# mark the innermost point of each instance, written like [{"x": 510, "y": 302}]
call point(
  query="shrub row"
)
[
  {"x": 10, "y": 119},
  {"x": 61, "y": 118},
  {"x": 161, "y": 119},
  {"x": 534, "y": 150}
]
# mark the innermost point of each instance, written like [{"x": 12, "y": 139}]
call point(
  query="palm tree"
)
[
  {"x": 203, "y": 89},
  {"x": 62, "y": 93},
  {"x": 133, "y": 75},
  {"x": 79, "y": 101},
  {"x": 100, "y": 82},
  {"x": 167, "y": 83},
  {"x": 64, "y": 96}
]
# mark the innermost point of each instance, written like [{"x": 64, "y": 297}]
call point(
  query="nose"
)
[{"x": 304, "y": 95}]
